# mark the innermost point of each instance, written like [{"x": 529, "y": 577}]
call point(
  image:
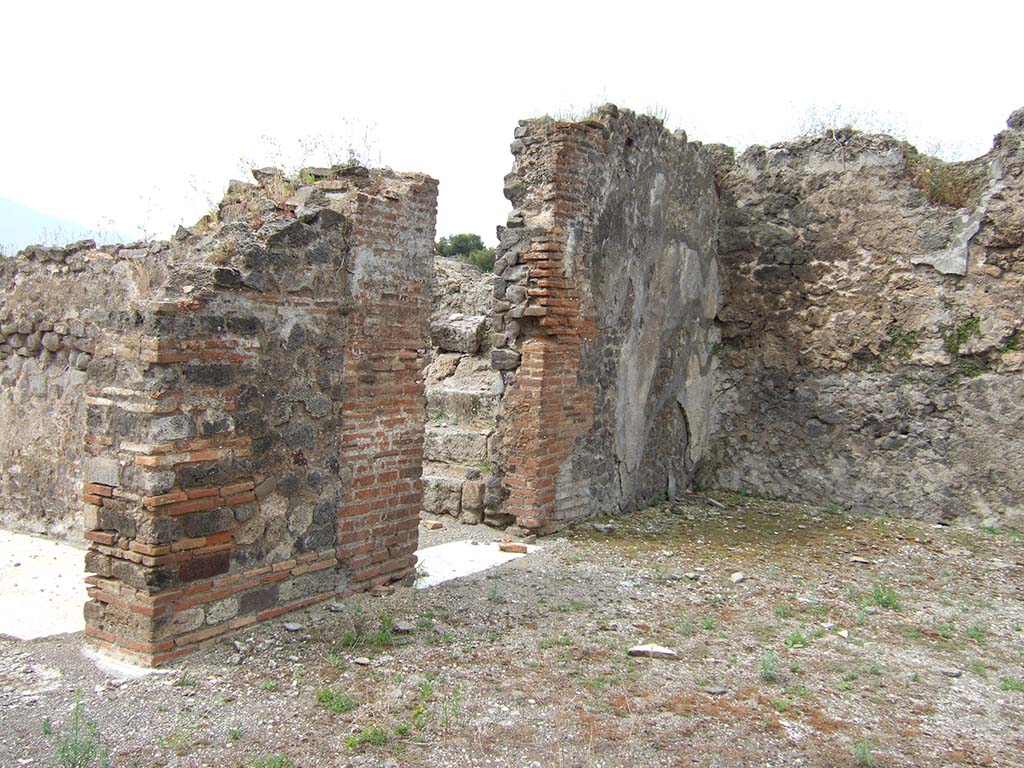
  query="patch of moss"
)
[
  {"x": 900, "y": 342},
  {"x": 962, "y": 331}
]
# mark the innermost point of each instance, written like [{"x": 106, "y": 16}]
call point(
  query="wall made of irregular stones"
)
[
  {"x": 872, "y": 308},
  {"x": 606, "y": 291},
  {"x": 53, "y": 304}
]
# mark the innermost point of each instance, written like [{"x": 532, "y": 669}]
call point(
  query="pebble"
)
[
  {"x": 362, "y": 661},
  {"x": 433, "y": 525},
  {"x": 738, "y": 577},
  {"x": 653, "y": 651},
  {"x": 603, "y": 527},
  {"x": 951, "y": 672},
  {"x": 861, "y": 560},
  {"x": 292, "y": 626},
  {"x": 403, "y": 627},
  {"x": 715, "y": 690}
]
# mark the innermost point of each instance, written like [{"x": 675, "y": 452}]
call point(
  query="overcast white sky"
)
[{"x": 135, "y": 115}]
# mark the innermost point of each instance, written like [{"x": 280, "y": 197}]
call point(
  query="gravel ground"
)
[{"x": 804, "y": 638}]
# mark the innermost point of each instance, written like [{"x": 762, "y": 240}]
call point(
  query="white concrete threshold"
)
[{"x": 456, "y": 559}]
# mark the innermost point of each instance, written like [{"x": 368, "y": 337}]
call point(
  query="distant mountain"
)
[{"x": 21, "y": 226}]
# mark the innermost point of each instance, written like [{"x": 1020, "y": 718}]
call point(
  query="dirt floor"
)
[{"x": 804, "y": 638}]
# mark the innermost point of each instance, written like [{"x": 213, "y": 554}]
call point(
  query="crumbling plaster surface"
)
[{"x": 648, "y": 263}]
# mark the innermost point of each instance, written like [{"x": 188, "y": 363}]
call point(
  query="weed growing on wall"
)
[
  {"x": 901, "y": 342},
  {"x": 953, "y": 185}
]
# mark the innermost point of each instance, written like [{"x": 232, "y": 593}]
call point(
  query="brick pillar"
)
[
  {"x": 547, "y": 407},
  {"x": 161, "y": 538},
  {"x": 384, "y": 409},
  {"x": 256, "y": 431},
  {"x": 213, "y": 419}
]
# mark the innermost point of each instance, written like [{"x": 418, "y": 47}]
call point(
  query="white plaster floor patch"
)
[
  {"x": 42, "y": 586},
  {"x": 117, "y": 668},
  {"x": 458, "y": 558}
]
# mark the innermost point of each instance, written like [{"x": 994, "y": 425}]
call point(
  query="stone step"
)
[
  {"x": 464, "y": 406},
  {"x": 452, "y": 471},
  {"x": 455, "y": 444},
  {"x": 442, "y": 495},
  {"x": 448, "y": 491}
]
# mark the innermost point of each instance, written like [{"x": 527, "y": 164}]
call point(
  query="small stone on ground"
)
[{"x": 653, "y": 651}]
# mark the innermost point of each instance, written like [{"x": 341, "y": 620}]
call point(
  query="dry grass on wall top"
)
[{"x": 954, "y": 185}]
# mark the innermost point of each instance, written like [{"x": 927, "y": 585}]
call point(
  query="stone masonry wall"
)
[
  {"x": 253, "y": 415},
  {"x": 53, "y": 303},
  {"x": 872, "y": 308},
  {"x": 606, "y": 291},
  {"x": 463, "y": 392}
]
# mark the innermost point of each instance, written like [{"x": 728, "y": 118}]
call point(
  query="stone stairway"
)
[{"x": 462, "y": 395}]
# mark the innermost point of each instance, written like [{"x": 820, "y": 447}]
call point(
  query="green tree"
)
[
  {"x": 484, "y": 259},
  {"x": 469, "y": 248},
  {"x": 459, "y": 245}
]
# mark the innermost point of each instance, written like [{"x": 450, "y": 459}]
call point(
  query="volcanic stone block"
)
[
  {"x": 204, "y": 567},
  {"x": 459, "y": 333}
]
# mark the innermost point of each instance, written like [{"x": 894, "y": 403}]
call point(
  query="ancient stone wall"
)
[
  {"x": 238, "y": 417},
  {"x": 462, "y": 395},
  {"x": 872, "y": 307},
  {"x": 604, "y": 302},
  {"x": 53, "y": 304},
  {"x": 253, "y": 406}
]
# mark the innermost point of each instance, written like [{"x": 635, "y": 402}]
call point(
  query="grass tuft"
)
[
  {"x": 335, "y": 702},
  {"x": 1014, "y": 684},
  {"x": 373, "y": 736},
  {"x": 883, "y": 596},
  {"x": 768, "y": 668},
  {"x": 862, "y": 754},
  {"x": 270, "y": 761},
  {"x": 77, "y": 745}
]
